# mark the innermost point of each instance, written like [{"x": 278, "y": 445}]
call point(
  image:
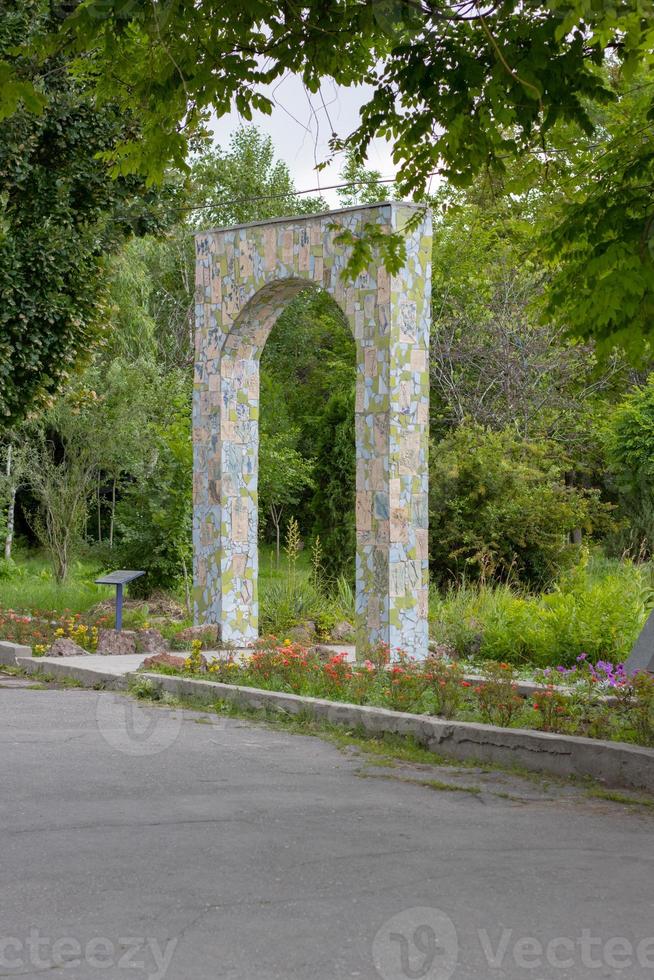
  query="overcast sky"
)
[{"x": 301, "y": 126}]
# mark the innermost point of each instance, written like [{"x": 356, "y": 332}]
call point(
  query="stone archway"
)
[{"x": 244, "y": 277}]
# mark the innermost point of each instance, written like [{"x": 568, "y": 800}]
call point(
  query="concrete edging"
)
[
  {"x": 85, "y": 675},
  {"x": 612, "y": 763},
  {"x": 9, "y": 652}
]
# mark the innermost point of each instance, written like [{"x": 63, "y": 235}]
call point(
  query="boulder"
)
[
  {"x": 164, "y": 660},
  {"x": 342, "y": 631},
  {"x": 113, "y": 642},
  {"x": 209, "y": 634},
  {"x": 150, "y": 641},
  {"x": 304, "y": 633},
  {"x": 65, "y": 647}
]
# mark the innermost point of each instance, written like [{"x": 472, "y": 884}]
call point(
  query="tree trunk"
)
[
  {"x": 60, "y": 556},
  {"x": 99, "y": 513},
  {"x": 276, "y": 517},
  {"x": 187, "y": 590},
  {"x": 576, "y": 535},
  {"x": 113, "y": 513},
  {"x": 11, "y": 507}
]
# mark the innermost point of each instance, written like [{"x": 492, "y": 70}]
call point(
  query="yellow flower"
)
[
  {"x": 59, "y": 632},
  {"x": 287, "y": 643}
]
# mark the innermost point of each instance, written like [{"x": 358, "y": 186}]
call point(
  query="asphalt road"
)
[{"x": 144, "y": 842}]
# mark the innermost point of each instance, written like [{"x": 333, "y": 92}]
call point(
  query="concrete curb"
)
[
  {"x": 89, "y": 678},
  {"x": 10, "y": 651},
  {"x": 612, "y": 763}
]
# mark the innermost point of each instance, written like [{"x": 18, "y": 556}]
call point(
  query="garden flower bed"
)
[{"x": 437, "y": 687}]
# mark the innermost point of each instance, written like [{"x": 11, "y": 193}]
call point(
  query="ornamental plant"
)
[
  {"x": 446, "y": 685},
  {"x": 195, "y": 662},
  {"x": 553, "y": 708},
  {"x": 222, "y": 668},
  {"x": 497, "y": 698},
  {"x": 642, "y": 713},
  {"x": 407, "y": 684},
  {"x": 80, "y": 633}
]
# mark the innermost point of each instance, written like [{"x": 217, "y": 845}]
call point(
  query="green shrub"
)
[
  {"x": 630, "y": 452},
  {"x": 598, "y": 608},
  {"x": 334, "y": 478},
  {"x": 155, "y": 516},
  {"x": 500, "y": 509},
  {"x": 294, "y": 599}
]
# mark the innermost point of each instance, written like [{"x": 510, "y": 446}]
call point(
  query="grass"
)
[
  {"x": 597, "y": 608},
  {"x": 613, "y": 796},
  {"x": 438, "y": 785},
  {"x": 32, "y": 587}
]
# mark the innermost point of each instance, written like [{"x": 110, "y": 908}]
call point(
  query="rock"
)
[
  {"x": 112, "y": 642},
  {"x": 150, "y": 641},
  {"x": 209, "y": 634},
  {"x": 342, "y": 631},
  {"x": 63, "y": 647},
  {"x": 164, "y": 660},
  {"x": 324, "y": 654},
  {"x": 304, "y": 633},
  {"x": 441, "y": 650}
]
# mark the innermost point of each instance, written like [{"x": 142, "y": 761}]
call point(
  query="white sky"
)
[{"x": 300, "y": 127}]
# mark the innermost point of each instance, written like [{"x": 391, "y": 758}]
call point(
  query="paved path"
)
[{"x": 203, "y": 848}]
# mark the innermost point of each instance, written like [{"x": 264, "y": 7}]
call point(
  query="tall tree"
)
[
  {"x": 61, "y": 213},
  {"x": 494, "y": 357},
  {"x": 362, "y": 186},
  {"x": 600, "y": 241},
  {"x": 456, "y": 87},
  {"x": 244, "y": 182}
]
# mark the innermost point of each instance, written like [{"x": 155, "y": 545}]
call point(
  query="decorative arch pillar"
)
[{"x": 244, "y": 278}]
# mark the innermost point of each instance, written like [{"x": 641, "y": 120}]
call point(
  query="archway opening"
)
[{"x": 307, "y": 471}]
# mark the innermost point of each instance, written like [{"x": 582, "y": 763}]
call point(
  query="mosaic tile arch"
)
[{"x": 244, "y": 277}]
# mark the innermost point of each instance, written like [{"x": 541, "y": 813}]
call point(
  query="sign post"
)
[{"x": 119, "y": 579}]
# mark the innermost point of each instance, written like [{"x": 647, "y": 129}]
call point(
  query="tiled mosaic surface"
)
[{"x": 244, "y": 277}]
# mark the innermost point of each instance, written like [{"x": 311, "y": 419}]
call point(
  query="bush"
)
[
  {"x": 155, "y": 515},
  {"x": 596, "y": 608},
  {"x": 630, "y": 451},
  {"x": 500, "y": 509},
  {"x": 334, "y": 477},
  {"x": 297, "y": 599}
]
